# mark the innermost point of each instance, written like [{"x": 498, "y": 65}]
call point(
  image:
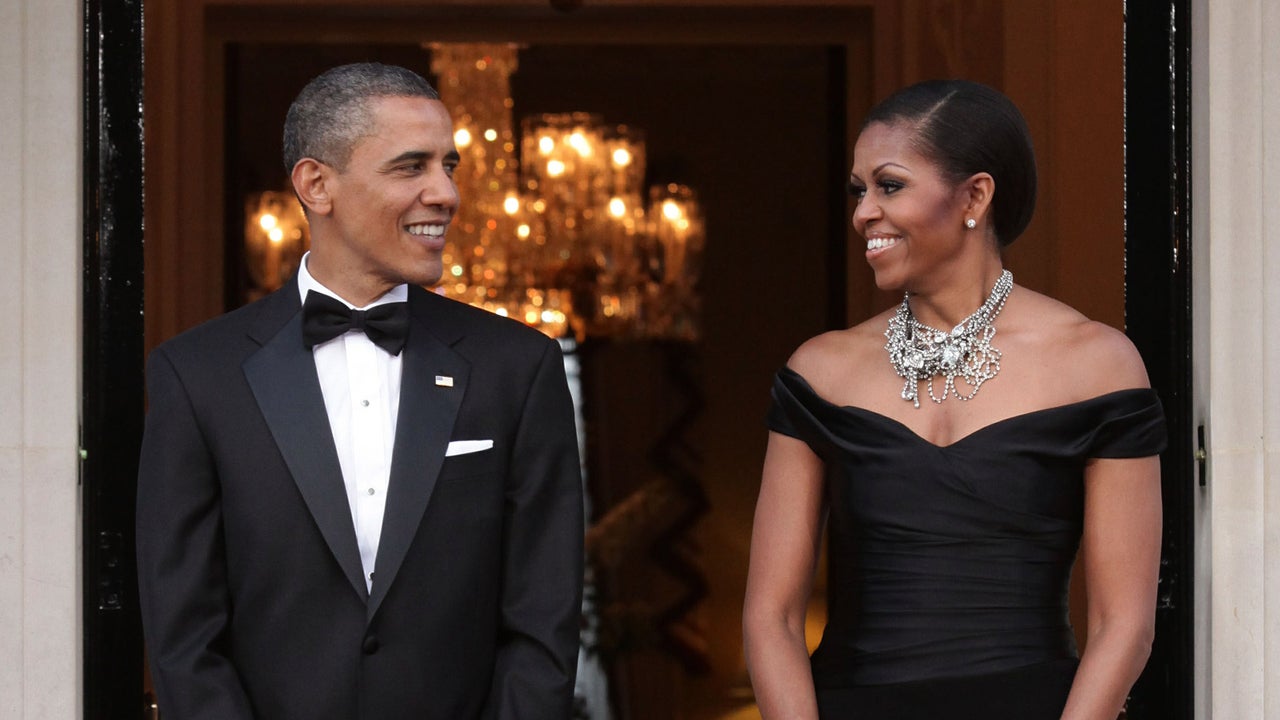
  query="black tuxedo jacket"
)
[{"x": 253, "y": 599}]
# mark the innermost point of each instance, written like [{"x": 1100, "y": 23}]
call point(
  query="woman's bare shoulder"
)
[
  {"x": 827, "y": 359},
  {"x": 1114, "y": 362},
  {"x": 1092, "y": 356}
]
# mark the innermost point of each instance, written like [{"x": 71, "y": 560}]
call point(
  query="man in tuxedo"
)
[{"x": 358, "y": 499}]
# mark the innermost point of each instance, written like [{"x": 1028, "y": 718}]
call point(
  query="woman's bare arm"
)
[
  {"x": 1121, "y": 554},
  {"x": 784, "y": 550}
]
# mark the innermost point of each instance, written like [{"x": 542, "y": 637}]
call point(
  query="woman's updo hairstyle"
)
[{"x": 967, "y": 128}]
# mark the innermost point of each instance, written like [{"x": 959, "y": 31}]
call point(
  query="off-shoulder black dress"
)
[{"x": 949, "y": 566}]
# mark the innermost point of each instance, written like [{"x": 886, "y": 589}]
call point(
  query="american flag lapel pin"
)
[{"x": 444, "y": 381}]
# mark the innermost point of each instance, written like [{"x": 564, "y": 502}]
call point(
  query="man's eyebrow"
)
[
  {"x": 418, "y": 156},
  {"x": 414, "y": 155}
]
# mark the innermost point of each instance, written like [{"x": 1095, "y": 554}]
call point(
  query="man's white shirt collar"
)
[{"x": 399, "y": 293}]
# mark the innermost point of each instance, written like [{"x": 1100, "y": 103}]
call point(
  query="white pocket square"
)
[{"x": 462, "y": 447}]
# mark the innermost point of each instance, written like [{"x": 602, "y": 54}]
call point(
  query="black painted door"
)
[
  {"x": 1158, "y": 317},
  {"x": 112, "y": 399}
]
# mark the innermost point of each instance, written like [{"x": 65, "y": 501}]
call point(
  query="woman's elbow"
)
[
  {"x": 1136, "y": 633},
  {"x": 765, "y": 622},
  {"x": 757, "y": 621}
]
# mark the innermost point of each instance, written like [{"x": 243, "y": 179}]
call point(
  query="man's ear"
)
[
  {"x": 311, "y": 181},
  {"x": 980, "y": 189}
]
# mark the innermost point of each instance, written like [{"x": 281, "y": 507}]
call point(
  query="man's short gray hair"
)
[{"x": 332, "y": 112}]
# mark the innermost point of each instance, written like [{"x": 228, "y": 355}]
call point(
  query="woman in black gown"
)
[{"x": 962, "y": 446}]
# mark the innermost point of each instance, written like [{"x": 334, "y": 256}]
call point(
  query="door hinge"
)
[{"x": 110, "y": 595}]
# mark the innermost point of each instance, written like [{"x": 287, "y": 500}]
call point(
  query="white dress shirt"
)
[{"x": 361, "y": 386}]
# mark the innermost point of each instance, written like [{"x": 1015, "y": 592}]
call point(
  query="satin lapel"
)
[
  {"x": 428, "y": 408},
  {"x": 284, "y": 381}
]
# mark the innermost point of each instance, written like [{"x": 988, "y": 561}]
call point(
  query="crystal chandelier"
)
[{"x": 566, "y": 239}]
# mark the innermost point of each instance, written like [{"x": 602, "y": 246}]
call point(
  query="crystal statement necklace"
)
[{"x": 919, "y": 352}]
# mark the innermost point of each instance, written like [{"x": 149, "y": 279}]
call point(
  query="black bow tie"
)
[{"x": 325, "y": 318}]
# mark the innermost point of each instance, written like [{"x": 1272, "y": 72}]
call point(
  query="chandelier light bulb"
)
[
  {"x": 617, "y": 207},
  {"x": 579, "y": 142},
  {"x": 267, "y": 221},
  {"x": 276, "y": 235},
  {"x": 522, "y": 231},
  {"x": 511, "y": 205},
  {"x": 546, "y": 144},
  {"x": 671, "y": 210},
  {"x": 462, "y": 138},
  {"x": 621, "y": 157},
  {"x": 490, "y": 134},
  {"x": 555, "y": 168}
]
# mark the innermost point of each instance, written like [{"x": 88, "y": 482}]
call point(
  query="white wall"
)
[
  {"x": 1237, "y": 210},
  {"x": 40, "y": 231}
]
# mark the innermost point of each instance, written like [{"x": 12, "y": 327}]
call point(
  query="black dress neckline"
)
[{"x": 1114, "y": 396}]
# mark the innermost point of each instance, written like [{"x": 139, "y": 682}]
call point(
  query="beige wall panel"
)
[{"x": 40, "y": 98}]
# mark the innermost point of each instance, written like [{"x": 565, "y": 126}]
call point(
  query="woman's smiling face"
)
[{"x": 910, "y": 214}]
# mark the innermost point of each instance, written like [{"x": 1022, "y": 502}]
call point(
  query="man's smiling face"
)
[{"x": 390, "y": 206}]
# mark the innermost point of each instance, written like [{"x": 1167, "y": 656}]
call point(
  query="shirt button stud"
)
[{"x": 365, "y": 403}]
